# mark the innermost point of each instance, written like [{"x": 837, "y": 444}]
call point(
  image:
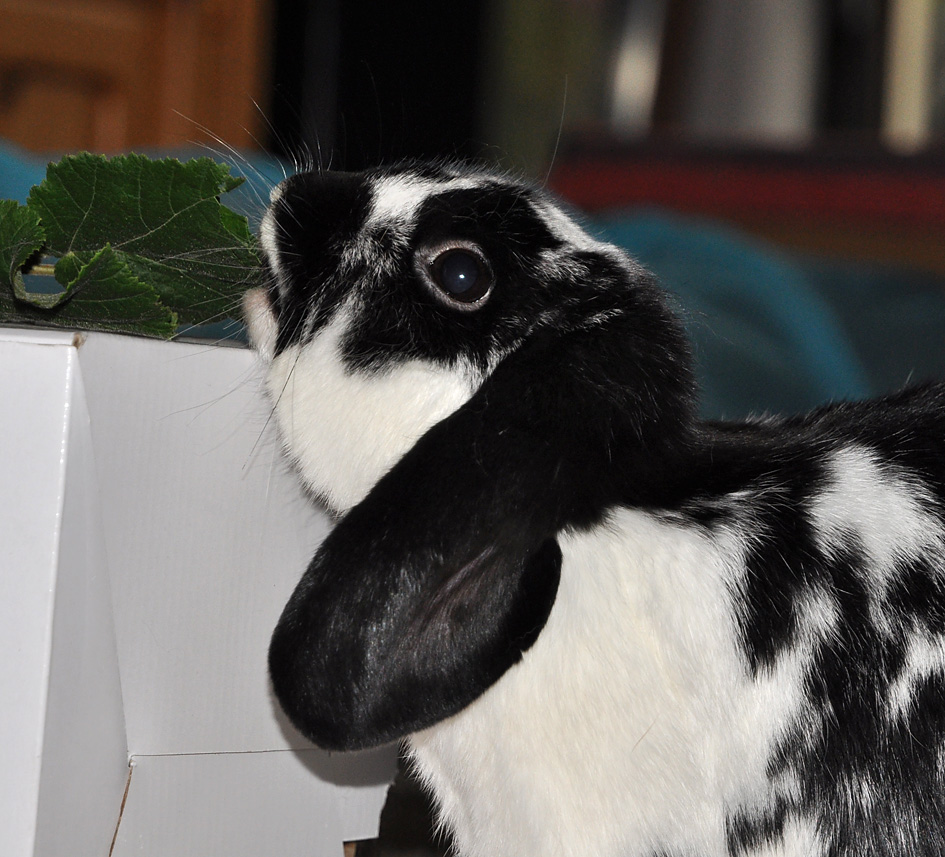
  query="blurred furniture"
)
[
  {"x": 109, "y": 75},
  {"x": 849, "y": 201},
  {"x": 773, "y": 70}
]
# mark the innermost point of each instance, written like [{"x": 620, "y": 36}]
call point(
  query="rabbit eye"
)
[{"x": 461, "y": 275}]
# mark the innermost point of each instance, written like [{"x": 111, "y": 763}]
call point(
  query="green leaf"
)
[
  {"x": 100, "y": 294},
  {"x": 106, "y": 295},
  {"x": 21, "y": 236},
  {"x": 164, "y": 226}
]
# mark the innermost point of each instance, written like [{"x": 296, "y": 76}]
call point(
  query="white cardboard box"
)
[{"x": 150, "y": 537}]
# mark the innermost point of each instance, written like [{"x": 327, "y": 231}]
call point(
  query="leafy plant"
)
[{"x": 135, "y": 245}]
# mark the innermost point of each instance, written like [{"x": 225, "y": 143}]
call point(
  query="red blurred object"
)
[{"x": 850, "y": 201}]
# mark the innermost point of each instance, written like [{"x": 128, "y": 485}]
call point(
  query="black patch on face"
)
[
  {"x": 315, "y": 218},
  {"x": 406, "y": 321}
]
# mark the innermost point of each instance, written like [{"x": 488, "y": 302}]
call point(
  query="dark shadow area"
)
[
  {"x": 362, "y": 768},
  {"x": 408, "y": 827},
  {"x": 357, "y": 84}
]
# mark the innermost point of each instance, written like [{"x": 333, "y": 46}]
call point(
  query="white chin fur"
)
[{"x": 346, "y": 429}]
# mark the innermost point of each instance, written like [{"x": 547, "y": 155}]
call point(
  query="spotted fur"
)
[{"x": 605, "y": 626}]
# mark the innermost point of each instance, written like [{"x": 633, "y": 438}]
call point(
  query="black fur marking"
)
[
  {"x": 917, "y": 595},
  {"x": 781, "y": 465},
  {"x": 871, "y": 778},
  {"x": 315, "y": 218},
  {"x": 749, "y": 832},
  {"x": 874, "y": 783},
  {"x": 781, "y": 562}
]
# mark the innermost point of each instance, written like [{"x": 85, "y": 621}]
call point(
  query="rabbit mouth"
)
[{"x": 260, "y": 322}]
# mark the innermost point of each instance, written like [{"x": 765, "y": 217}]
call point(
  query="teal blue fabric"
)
[
  {"x": 893, "y": 317},
  {"x": 19, "y": 171},
  {"x": 764, "y": 339}
]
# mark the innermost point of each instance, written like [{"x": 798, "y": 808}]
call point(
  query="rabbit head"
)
[{"x": 463, "y": 372}]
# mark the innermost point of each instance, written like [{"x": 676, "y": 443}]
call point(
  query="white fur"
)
[
  {"x": 632, "y": 724},
  {"x": 270, "y": 244},
  {"x": 574, "y": 235},
  {"x": 881, "y": 509},
  {"x": 397, "y": 197},
  {"x": 800, "y": 838},
  {"x": 877, "y": 506},
  {"x": 925, "y": 657},
  {"x": 345, "y": 429},
  {"x": 568, "y": 231},
  {"x": 261, "y": 323}
]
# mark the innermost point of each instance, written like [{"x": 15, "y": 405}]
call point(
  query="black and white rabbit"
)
[{"x": 606, "y": 627}]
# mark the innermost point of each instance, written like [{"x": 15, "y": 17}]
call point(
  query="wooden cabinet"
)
[{"x": 109, "y": 75}]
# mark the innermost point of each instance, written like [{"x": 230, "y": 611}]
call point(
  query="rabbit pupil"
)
[{"x": 461, "y": 274}]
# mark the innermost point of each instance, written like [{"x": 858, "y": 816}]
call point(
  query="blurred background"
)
[
  {"x": 779, "y": 163},
  {"x": 817, "y": 123},
  {"x": 504, "y": 79}
]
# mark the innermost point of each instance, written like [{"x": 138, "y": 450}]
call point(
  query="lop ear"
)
[{"x": 434, "y": 585}]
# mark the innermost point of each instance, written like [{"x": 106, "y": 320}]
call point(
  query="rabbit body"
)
[{"x": 605, "y": 626}]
